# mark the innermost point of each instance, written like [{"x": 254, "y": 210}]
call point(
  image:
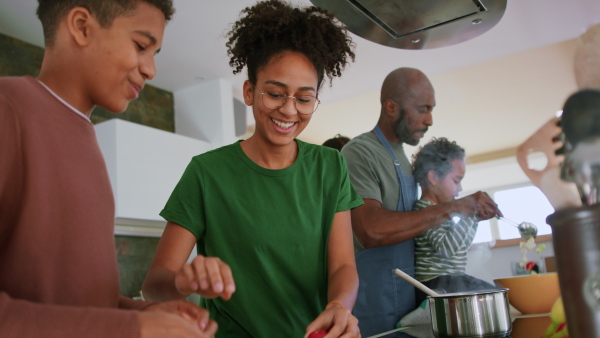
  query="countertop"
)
[{"x": 528, "y": 326}]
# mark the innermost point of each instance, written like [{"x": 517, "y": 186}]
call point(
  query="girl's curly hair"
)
[
  {"x": 274, "y": 26},
  {"x": 437, "y": 155}
]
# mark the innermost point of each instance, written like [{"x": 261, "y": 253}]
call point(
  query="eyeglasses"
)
[{"x": 275, "y": 99}]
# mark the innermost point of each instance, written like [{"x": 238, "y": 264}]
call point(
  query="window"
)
[
  {"x": 484, "y": 232},
  {"x": 519, "y": 204}
]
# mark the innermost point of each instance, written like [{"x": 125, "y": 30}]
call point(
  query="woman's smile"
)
[{"x": 282, "y": 126}]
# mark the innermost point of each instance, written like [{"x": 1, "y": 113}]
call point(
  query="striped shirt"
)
[{"x": 442, "y": 250}]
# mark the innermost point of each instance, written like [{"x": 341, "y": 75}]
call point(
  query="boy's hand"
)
[
  {"x": 207, "y": 276},
  {"x": 157, "y": 324},
  {"x": 184, "y": 309}
]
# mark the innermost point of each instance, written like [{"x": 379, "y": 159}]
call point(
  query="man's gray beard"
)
[{"x": 402, "y": 133}]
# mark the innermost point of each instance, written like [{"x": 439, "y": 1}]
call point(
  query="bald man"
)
[{"x": 385, "y": 227}]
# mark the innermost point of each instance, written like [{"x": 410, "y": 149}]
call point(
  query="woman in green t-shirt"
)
[{"x": 271, "y": 212}]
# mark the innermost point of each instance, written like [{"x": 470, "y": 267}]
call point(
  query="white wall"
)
[
  {"x": 485, "y": 107},
  {"x": 501, "y": 172}
]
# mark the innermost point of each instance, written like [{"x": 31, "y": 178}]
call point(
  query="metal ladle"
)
[{"x": 526, "y": 229}]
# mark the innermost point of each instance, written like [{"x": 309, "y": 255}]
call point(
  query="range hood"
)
[{"x": 416, "y": 24}]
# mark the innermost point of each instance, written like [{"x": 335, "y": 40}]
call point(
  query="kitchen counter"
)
[{"x": 532, "y": 326}]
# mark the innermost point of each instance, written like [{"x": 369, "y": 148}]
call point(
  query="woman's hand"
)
[
  {"x": 171, "y": 277},
  {"x": 207, "y": 276},
  {"x": 337, "y": 320}
]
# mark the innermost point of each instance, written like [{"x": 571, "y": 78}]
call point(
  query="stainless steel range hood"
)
[{"x": 416, "y": 24}]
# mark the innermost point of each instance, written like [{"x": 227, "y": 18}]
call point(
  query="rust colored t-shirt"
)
[{"x": 58, "y": 268}]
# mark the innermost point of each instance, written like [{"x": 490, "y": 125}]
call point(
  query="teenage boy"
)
[{"x": 58, "y": 271}]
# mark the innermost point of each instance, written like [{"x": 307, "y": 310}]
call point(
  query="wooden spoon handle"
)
[{"x": 416, "y": 283}]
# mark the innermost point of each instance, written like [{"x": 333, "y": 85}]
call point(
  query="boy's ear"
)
[
  {"x": 432, "y": 178},
  {"x": 79, "y": 24},
  {"x": 248, "y": 91}
]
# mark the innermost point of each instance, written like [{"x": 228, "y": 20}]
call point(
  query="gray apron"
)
[{"x": 383, "y": 297}]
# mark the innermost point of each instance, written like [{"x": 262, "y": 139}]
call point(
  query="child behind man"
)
[{"x": 441, "y": 252}]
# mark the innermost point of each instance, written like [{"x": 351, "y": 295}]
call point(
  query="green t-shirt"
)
[{"x": 272, "y": 228}]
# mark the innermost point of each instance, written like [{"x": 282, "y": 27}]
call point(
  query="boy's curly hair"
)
[
  {"x": 274, "y": 26},
  {"x": 50, "y": 12},
  {"x": 437, "y": 155}
]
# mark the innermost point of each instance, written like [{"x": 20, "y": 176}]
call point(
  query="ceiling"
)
[{"x": 194, "y": 44}]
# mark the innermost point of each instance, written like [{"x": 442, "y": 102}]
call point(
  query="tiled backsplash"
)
[
  {"x": 134, "y": 255},
  {"x": 154, "y": 107}
]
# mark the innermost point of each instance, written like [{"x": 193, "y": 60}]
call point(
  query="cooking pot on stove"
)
[
  {"x": 471, "y": 314},
  {"x": 466, "y": 314}
]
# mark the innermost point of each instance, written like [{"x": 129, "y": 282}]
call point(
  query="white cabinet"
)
[
  {"x": 144, "y": 165},
  {"x": 205, "y": 111}
]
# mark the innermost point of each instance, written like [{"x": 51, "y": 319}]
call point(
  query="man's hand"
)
[{"x": 478, "y": 204}]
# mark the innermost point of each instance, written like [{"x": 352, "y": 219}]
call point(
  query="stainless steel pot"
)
[{"x": 471, "y": 314}]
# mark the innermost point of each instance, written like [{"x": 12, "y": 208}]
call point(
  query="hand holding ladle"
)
[{"x": 526, "y": 229}]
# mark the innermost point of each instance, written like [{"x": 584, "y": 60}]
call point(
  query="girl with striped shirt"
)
[{"x": 441, "y": 251}]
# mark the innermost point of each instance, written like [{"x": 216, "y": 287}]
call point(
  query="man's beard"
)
[{"x": 402, "y": 133}]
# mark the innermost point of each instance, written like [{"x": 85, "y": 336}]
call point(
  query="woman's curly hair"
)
[
  {"x": 437, "y": 155},
  {"x": 274, "y": 26}
]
